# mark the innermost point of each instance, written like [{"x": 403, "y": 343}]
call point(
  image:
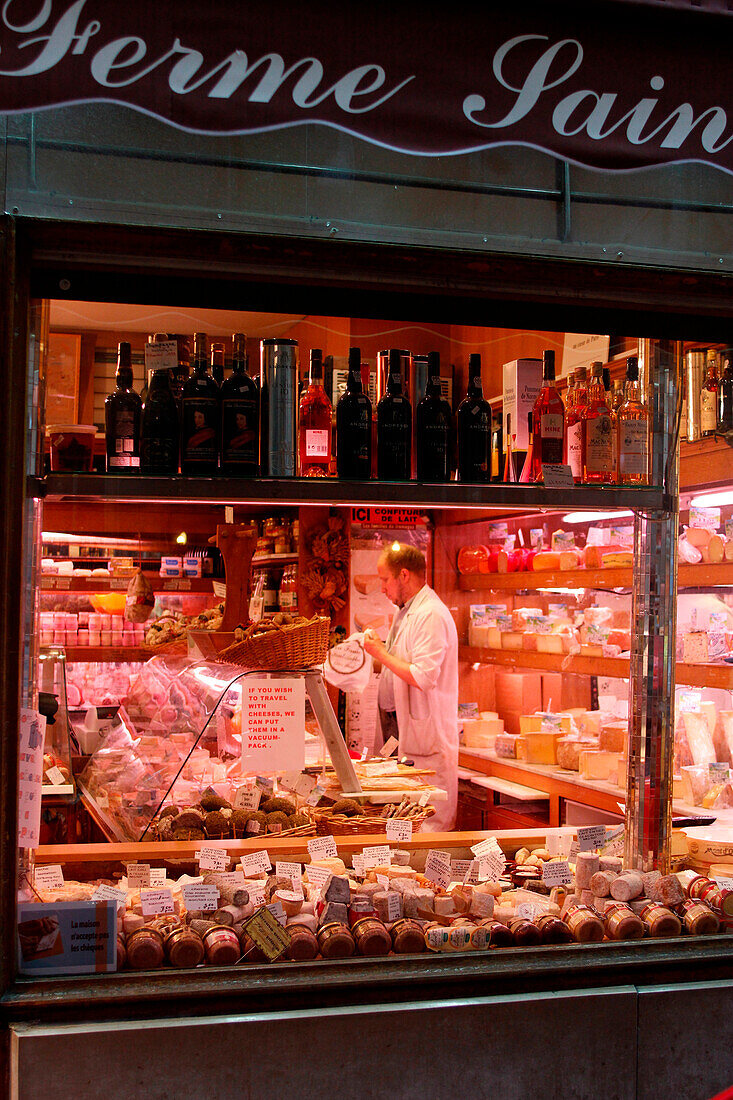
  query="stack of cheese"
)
[
  {"x": 703, "y": 753},
  {"x": 600, "y": 635}
]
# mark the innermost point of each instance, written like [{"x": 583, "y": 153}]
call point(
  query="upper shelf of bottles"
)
[{"x": 220, "y": 490}]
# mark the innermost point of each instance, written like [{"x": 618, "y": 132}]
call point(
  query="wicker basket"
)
[
  {"x": 290, "y": 647},
  {"x": 341, "y": 825}
]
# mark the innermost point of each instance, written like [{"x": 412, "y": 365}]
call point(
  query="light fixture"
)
[
  {"x": 182, "y": 539},
  {"x": 589, "y": 517},
  {"x": 710, "y": 500},
  {"x": 395, "y": 547}
]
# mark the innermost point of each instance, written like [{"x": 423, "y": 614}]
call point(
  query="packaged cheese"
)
[
  {"x": 599, "y": 765},
  {"x": 537, "y": 748}
]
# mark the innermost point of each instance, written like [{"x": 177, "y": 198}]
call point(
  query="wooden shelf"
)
[
  {"x": 689, "y": 576},
  {"x": 717, "y": 676},
  {"x": 57, "y": 583},
  {"x": 705, "y": 464},
  {"x": 81, "y": 653},
  {"x": 299, "y": 491},
  {"x": 273, "y": 559}
]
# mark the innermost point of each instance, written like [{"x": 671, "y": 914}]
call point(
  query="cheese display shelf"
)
[
  {"x": 688, "y": 576},
  {"x": 294, "y": 491},
  {"x": 692, "y": 675},
  {"x": 60, "y": 583}
]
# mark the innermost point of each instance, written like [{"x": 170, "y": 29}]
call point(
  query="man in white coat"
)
[{"x": 418, "y": 686}]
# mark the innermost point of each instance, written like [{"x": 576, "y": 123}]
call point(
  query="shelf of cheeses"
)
[{"x": 688, "y": 576}]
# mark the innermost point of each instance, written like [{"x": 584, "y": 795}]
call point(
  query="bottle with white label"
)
[
  {"x": 633, "y": 431},
  {"x": 314, "y": 423},
  {"x": 574, "y": 425},
  {"x": 548, "y": 421},
  {"x": 122, "y": 416},
  {"x": 597, "y": 433}
]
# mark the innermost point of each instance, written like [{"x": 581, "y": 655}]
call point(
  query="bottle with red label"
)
[
  {"x": 314, "y": 423},
  {"x": 597, "y": 433},
  {"x": 548, "y": 421},
  {"x": 574, "y": 425}
]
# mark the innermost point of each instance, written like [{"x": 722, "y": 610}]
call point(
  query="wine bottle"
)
[
  {"x": 574, "y": 425},
  {"x": 314, "y": 422},
  {"x": 354, "y": 426},
  {"x": 160, "y": 433},
  {"x": 475, "y": 454},
  {"x": 597, "y": 432},
  {"x": 200, "y": 416},
  {"x": 548, "y": 421},
  {"x": 497, "y": 449},
  {"x": 709, "y": 396},
  {"x": 122, "y": 415},
  {"x": 725, "y": 393},
  {"x": 217, "y": 362},
  {"x": 633, "y": 431},
  {"x": 240, "y": 416},
  {"x": 394, "y": 426},
  {"x": 433, "y": 428}
]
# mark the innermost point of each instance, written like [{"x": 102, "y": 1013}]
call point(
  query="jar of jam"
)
[
  {"x": 524, "y": 932},
  {"x": 621, "y": 922},
  {"x": 699, "y": 919},
  {"x": 660, "y": 921},
  {"x": 553, "y": 930},
  {"x": 336, "y": 941},
  {"x": 371, "y": 937},
  {"x": 584, "y": 923},
  {"x": 494, "y": 932},
  {"x": 408, "y": 937},
  {"x": 303, "y": 943},
  {"x": 221, "y": 945},
  {"x": 145, "y": 949},
  {"x": 183, "y": 948}
]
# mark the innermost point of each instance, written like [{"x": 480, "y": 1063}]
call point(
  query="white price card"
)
[
  {"x": 293, "y": 872},
  {"x": 157, "y": 877},
  {"x": 322, "y": 847},
  {"x": 161, "y": 355},
  {"x": 724, "y": 883},
  {"x": 383, "y": 881},
  {"x": 377, "y": 855},
  {"x": 299, "y": 783},
  {"x": 247, "y": 798},
  {"x": 552, "y": 843},
  {"x": 491, "y": 844},
  {"x": 255, "y": 863},
  {"x": 591, "y": 837},
  {"x": 104, "y": 892},
  {"x": 424, "y": 798},
  {"x": 364, "y": 754},
  {"x": 138, "y": 875},
  {"x": 526, "y": 910},
  {"x": 394, "y": 906},
  {"x": 573, "y": 851},
  {"x": 556, "y": 872},
  {"x": 557, "y": 476},
  {"x": 200, "y": 896},
  {"x": 399, "y": 829},
  {"x": 319, "y": 877},
  {"x": 357, "y": 863},
  {"x": 315, "y": 796},
  {"x": 56, "y": 776},
  {"x": 437, "y": 868},
  {"x": 49, "y": 876},
  {"x": 462, "y": 869},
  {"x": 388, "y": 748},
  {"x": 156, "y": 901},
  {"x": 278, "y": 912},
  {"x": 490, "y": 868},
  {"x": 213, "y": 859},
  {"x": 233, "y": 878}
]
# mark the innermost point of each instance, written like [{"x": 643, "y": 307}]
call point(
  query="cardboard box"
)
[{"x": 522, "y": 384}]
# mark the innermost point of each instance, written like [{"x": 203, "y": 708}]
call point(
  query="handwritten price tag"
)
[
  {"x": 213, "y": 859},
  {"x": 49, "y": 877},
  {"x": 156, "y": 901},
  {"x": 556, "y": 873},
  {"x": 322, "y": 847},
  {"x": 378, "y": 855},
  {"x": 399, "y": 830},
  {"x": 291, "y": 871},
  {"x": 103, "y": 892},
  {"x": 200, "y": 896},
  {"x": 256, "y": 863},
  {"x": 388, "y": 747},
  {"x": 437, "y": 868},
  {"x": 591, "y": 837},
  {"x": 138, "y": 875}
]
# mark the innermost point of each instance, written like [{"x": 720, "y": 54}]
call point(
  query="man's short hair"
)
[{"x": 399, "y": 555}]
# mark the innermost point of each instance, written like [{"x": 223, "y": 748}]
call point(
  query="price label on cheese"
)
[
  {"x": 256, "y": 888},
  {"x": 319, "y": 877},
  {"x": 247, "y": 798},
  {"x": 724, "y": 883},
  {"x": 157, "y": 877},
  {"x": 213, "y": 859},
  {"x": 437, "y": 868},
  {"x": 138, "y": 875},
  {"x": 265, "y": 931},
  {"x": 591, "y": 837},
  {"x": 552, "y": 843},
  {"x": 462, "y": 869},
  {"x": 315, "y": 796},
  {"x": 526, "y": 910},
  {"x": 255, "y": 863},
  {"x": 291, "y": 871},
  {"x": 278, "y": 912},
  {"x": 556, "y": 872},
  {"x": 56, "y": 777},
  {"x": 573, "y": 851},
  {"x": 394, "y": 906},
  {"x": 377, "y": 855},
  {"x": 322, "y": 847},
  {"x": 49, "y": 876},
  {"x": 383, "y": 881},
  {"x": 156, "y": 901},
  {"x": 491, "y": 867},
  {"x": 364, "y": 754},
  {"x": 234, "y": 878},
  {"x": 298, "y": 782},
  {"x": 357, "y": 863},
  {"x": 104, "y": 892},
  {"x": 389, "y": 747},
  {"x": 557, "y": 476},
  {"x": 201, "y": 896},
  {"x": 399, "y": 829},
  {"x": 483, "y": 847},
  {"x": 689, "y": 702}
]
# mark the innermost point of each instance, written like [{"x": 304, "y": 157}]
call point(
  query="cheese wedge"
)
[
  {"x": 537, "y": 748},
  {"x": 599, "y": 765},
  {"x": 366, "y": 583}
]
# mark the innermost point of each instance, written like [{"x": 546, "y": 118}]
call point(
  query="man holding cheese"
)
[{"x": 418, "y": 686}]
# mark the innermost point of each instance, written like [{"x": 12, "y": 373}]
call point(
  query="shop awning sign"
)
[{"x": 429, "y": 80}]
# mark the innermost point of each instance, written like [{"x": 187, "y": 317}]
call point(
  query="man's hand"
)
[{"x": 374, "y": 645}]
